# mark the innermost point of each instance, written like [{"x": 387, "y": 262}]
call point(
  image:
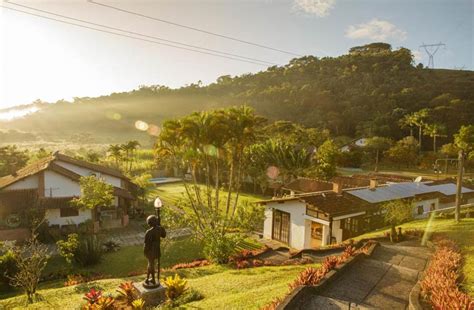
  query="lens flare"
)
[
  {"x": 273, "y": 172},
  {"x": 210, "y": 150},
  {"x": 113, "y": 116},
  {"x": 153, "y": 130},
  {"x": 141, "y": 125}
]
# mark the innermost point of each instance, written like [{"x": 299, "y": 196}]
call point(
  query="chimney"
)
[
  {"x": 337, "y": 187},
  {"x": 373, "y": 184}
]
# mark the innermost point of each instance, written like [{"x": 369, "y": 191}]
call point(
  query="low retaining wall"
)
[
  {"x": 299, "y": 296},
  {"x": 16, "y": 234}
]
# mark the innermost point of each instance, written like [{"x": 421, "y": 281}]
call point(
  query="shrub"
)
[
  {"x": 30, "y": 260},
  {"x": 68, "y": 248},
  {"x": 193, "y": 264},
  {"x": 440, "y": 284},
  {"x": 219, "y": 247},
  {"x": 7, "y": 267},
  {"x": 89, "y": 251},
  {"x": 331, "y": 262},
  {"x": 176, "y": 286},
  {"x": 309, "y": 276},
  {"x": 111, "y": 246},
  {"x": 126, "y": 292}
]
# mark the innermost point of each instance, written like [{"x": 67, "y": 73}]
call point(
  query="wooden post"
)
[{"x": 459, "y": 186}]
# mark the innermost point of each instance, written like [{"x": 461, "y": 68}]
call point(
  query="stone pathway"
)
[
  {"x": 131, "y": 237},
  {"x": 383, "y": 281}
]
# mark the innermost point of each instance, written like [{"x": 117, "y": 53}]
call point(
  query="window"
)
[
  {"x": 420, "y": 210},
  {"x": 68, "y": 212}
]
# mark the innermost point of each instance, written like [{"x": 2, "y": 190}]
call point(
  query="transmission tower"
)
[{"x": 431, "y": 50}]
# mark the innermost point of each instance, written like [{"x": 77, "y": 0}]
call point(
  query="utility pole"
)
[
  {"x": 457, "y": 214},
  {"x": 431, "y": 50}
]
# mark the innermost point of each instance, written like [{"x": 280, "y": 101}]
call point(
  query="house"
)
[
  {"x": 51, "y": 183},
  {"x": 360, "y": 142},
  {"x": 316, "y": 219}
]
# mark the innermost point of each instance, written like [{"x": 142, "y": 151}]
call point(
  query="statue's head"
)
[{"x": 152, "y": 220}]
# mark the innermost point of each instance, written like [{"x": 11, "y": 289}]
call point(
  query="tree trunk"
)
[
  {"x": 376, "y": 169},
  {"x": 393, "y": 234},
  {"x": 419, "y": 136},
  {"x": 434, "y": 143}
]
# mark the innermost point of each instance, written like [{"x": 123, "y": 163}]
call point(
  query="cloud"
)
[
  {"x": 319, "y": 8},
  {"x": 376, "y": 29},
  {"x": 417, "y": 56}
]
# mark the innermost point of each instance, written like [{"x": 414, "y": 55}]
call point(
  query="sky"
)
[{"x": 48, "y": 60}]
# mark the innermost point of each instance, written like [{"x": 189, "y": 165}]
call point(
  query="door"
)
[
  {"x": 316, "y": 234},
  {"x": 281, "y": 226}
]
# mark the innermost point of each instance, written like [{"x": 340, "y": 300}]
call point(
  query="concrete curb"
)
[
  {"x": 297, "y": 297},
  {"x": 414, "y": 298}
]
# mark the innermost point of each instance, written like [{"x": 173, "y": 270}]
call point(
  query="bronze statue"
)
[{"x": 152, "y": 250}]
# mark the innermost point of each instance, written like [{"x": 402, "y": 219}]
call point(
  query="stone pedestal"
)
[{"x": 151, "y": 296}]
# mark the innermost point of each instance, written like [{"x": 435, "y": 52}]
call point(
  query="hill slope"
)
[{"x": 364, "y": 92}]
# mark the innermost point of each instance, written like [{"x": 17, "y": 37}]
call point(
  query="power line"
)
[
  {"x": 194, "y": 28},
  {"x": 140, "y": 34}
]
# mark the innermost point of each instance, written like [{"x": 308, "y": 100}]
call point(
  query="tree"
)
[
  {"x": 435, "y": 131},
  {"x": 464, "y": 140},
  {"x": 94, "y": 193},
  {"x": 404, "y": 151},
  {"x": 378, "y": 145},
  {"x": 211, "y": 147},
  {"x": 12, "y": 159},
  {"x": 30, "y": 260},
  {"x": 129, "y": 148},
  {"x": 115, "y": 152},
  {"x": 326, "y": 159},
  {"x": 395, "y": 213},
  {"x": 419, "y": 119},
  {"x": 144, "y": 186}
]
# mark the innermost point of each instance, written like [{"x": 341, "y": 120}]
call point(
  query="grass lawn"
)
[
  {"x": 172, "y": 193},
  {"x": 221, "y": 286},
  {"x": 462, "y": 233}
]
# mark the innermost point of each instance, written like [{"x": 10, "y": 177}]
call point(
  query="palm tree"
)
[
  {"x": 408, "y": 121},
  {"x": 378, "y": 144},
  {"x": 129, "y": 149},
  {"x": 115, "y": 151},
  {"x": 419, "y": 120},
  {"x": 434, "y": 131}
]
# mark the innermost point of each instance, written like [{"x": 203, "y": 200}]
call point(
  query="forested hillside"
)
[{"x": 365, "y": 92}]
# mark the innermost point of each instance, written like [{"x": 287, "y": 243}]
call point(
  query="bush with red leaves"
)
[
  {"x": 440, "y": 284},
  {"x": 193, "y": 264}
]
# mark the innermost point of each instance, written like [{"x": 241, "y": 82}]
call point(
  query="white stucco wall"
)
[
  {"x": 337, "y": 230},
  {"x": 60, "y": 185},
  {"x": 54, "y": 218},
  {"x": 297, "y": 211},
  {"x": 27, "y": 183},
  {"x": 426, "y": 207},
  {"x": 87, "y": 172}
]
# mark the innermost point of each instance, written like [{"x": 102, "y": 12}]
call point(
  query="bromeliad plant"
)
[
  {"x": 440, "y": 284},
  {"x": 176, "y": 286},
  {"x": 126, "y": 292}
]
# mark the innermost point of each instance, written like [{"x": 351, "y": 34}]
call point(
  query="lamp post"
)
[{"x": 158, "y": 204}]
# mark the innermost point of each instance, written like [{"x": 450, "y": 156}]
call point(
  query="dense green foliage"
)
[{"x": 365, "y": 92}]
